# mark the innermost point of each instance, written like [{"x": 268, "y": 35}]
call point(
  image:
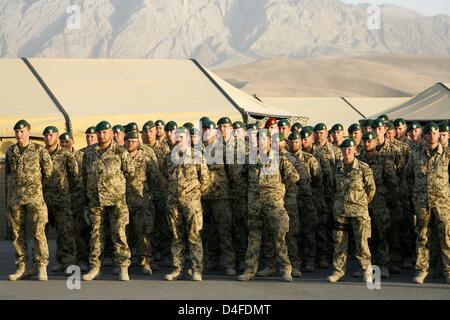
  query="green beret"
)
[
  {"x": 294, "y": 136},
  {"x": 118, "y": 128},
  {"x": 306, "y": 133},
  {"x": 132, "y": 126},
  {"x": 208, "y": 125},
  {"x": 204, "y": 119},
  {"x": 148, "y": 125},
  {"x": 238, "y": 125},
  {"x": 320, "y": 126},
  {"x": 104, "y": 125},
  {"x": 390, "y": 125},
  {"x": 378, "y": 123},
  {"x": 263, "y": 133},
  {"x": 414, "y": 125},
  {"x": 66, "y": 136},
  {"x": 188, "y": 125},
  {"x": 369, "y": 136},
  {"x": 310, "y": 128},
  {"x": 385, "y": 117},
  {"x": 430, "y": 127},
  {"x": 182, "y": 130},
  {"x": 21, "y": 124},
  {"x": 50, "y": 129},
  {"x": 348, "y": 143},
  {"x": 337, "y": 127},
  {"x": 283, "y": 122},
  {"x": 367, "y": 123},
  {"x": 224, "y": 120},
  {"x": 171, "y": 125},
  {"x": 251, "y": 126},
  {"x": 193, "y": 131},
  {"x": 132, "y": 135},
  {"x": 90, "y": 130},
  {"x": 444, "y": 127},
  {"x": 159, "y": 123},
  {"x": 296, "y": 127},
  {"x": 354, "y": 127},
  {"x": 398, "y": 122}
]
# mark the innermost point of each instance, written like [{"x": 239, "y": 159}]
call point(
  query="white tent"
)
[{"x": 369, "y": 105}]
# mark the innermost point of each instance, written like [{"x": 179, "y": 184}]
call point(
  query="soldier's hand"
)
[{"x": 86, "y": 216}]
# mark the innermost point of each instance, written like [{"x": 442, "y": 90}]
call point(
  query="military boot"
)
[
  {"x": 368, "y": 276},
  {"x": 196, "y": 276},
  {"x": 42, "y": 273},
  {"x": 266, "y": 272},
  {"x": 287, "y": 276},
  {"x": 247, "y": 276},
  {"x": 335, "y": 277},
  {"x": 420, "y": 277},
  {"x": 20, "y": 273},
  {"x": 146, "y": 269},
  {"x": 296, "y": 273},
  {"x": 175, "y": 275},
  {"x": 357, "y": 274},
  {"x": 309, "y": 267},
  {"x": 123, "y": 275},
  {"x": 93, "y": 274},
  {"x": 230, "y": 272},
  {"x": 58, "y": 268}
]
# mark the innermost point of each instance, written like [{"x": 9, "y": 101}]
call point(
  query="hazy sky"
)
[{"x": 427, "y": 7}]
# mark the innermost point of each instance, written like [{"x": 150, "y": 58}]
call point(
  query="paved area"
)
[{"x": 214, "y": 286}]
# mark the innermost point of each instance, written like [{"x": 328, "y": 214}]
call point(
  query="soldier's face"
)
[
  {"x": 160, "y": 131},
  {"x": 182, "y": 141},
  {"x": 380, "y": 131},
  {"x": 67, "y": 144},
  {"x": 51, "y": 139},
  {"x": 295, "y": 145},
  {"x": 22, "y": 135},
  {"x": 370, "y": 145},
  {"x": 348, "y": 153},
  {"x": 119, "y": 137},
  {"x": 226, "y": 130},
  {"x": 356, "y": 135},
  {"x": 209, "y": 134},
  {"x": 104, "y": 136},
  {"x": 91, "y": 139},
  {"x": 400, "y": 131},
  {"x": 321, "y": 135},
  {"x": 286, "y": 130},
  {"x": 265, "y": 143},
  {"x": 390, "y": 134},
  {"x": 282, "y": 145},
  {"x": 307, "y": 142},
  {"x": 443, "y": 138},
  {"x": 337, "y": 135},
  {"x": 149, "y": 135},
  {"x": 239, "y": 133},
  {"x": 367, "y": 129},
  {"x": 432, "y": 137},
  {"x": 132, "y": 144},
  {"x": 170, "y": 135},
  {"x": 415, "y": 134},
  {"x": 194, "y": 139}
]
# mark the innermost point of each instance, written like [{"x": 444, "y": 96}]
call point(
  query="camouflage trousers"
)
[
  {"x": 65, "y": 237},
  {"x": 381, "y": 229},
  {"x": 161, "y": 236},
  {"x": 17, "y": 217},
  {"x": 272, "y": 212},
  {"x": 186, "y": 221},
  {"x": 81, "y": 232},
  {"x": 291, "y": 207},
  {"x": 239, "y": 227},
  {"x": 362, "y": 232},
  {"x": 322, "y": 252},
  {"x": 442, "y": 219},
  {"x": 118, "y": 217},
  {"x": 217, "y": 237},
  {"x": 307, "y": 238},
  {"x": 141, "y": 223},
  {"x": 329, "y": 202}
]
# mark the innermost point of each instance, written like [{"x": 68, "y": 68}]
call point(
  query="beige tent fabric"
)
[
  {"x": 326, "y": 110},
  {"x": 369, "y": 106},
  {"x": 431, "y": 104},
  {"x": 23, "y": 97}
]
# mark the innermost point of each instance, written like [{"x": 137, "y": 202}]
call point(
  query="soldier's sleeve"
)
[
  {"x": 73, "y": 172},
  {"x": 203, "y": 174},
  {"x": 155, "y": 177},
  {"x": 407, "y": 179},
  {"x": 127, "y": 164},
  {"x": 46, "y": 164},
  {"x": 327, "y": 173},
  {"x": 289, "y": 173},
  {"x": 304, "y": 197},
  {"x": 7, "y": 162},
  {"x": 369, "y": 183},
  {"x": 400, "y": 160},
  {"x": 392, "y": 181},
  {"x": 316, "y": 172}
]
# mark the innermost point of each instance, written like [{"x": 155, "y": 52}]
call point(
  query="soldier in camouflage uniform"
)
[
  {"x": 414, "y": 132},
  {"x": 291, "y": 206},
  {"x": 65, "y": 177},
  {"x": 160, "y": 133},
  {"x": 216, "y": 205},
  {"x": 140, "y": 199},
  {"x": 119, "y": 134},
  {"x": 27, "y": 166},
  {"x": 161, "y": 237},
  {"x": 105, "y": 166},
  {"x": 337, "y": 133},
  {"x": 269, "y": 176},
  {"x": 187, "y": 178},
  {"x": 355, "y": 132},
  {"x": 314, "y": 228},
  {"x": 355, "y": 189},
  {"x": 387, "y": 186},
  {"x": 427, "y": 176},
  {"x": 170, "y": 130}
]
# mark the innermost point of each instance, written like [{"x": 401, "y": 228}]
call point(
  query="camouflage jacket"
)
[
  {"x": 385, "y": 175},
  {"x": 270, "y": 177},
  {"x": 330, "y": 152},
  {"x": 359, "y": 149},
  {"x": 314, "y": 171},
  {"x": 354, "y": 189},
  {"x": 158, "y": 151},
  {"x": 25, "y": 174},
  {"x": 145, "y": 177},
  {"x": 104, "y": 174},
  {"x": 327, "y": 167},
  {"x": 187, "y": 177},
  {"x": 217, "y": 172},
  {"x": 79, "y": 198},
  {"x": 64, "y": 179},
  {"x": 238, "y": 171},
  {"x": 161, "y": 150},
  {"x": 393, "y": 153},
  {"x": 427, "y": 177}
]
